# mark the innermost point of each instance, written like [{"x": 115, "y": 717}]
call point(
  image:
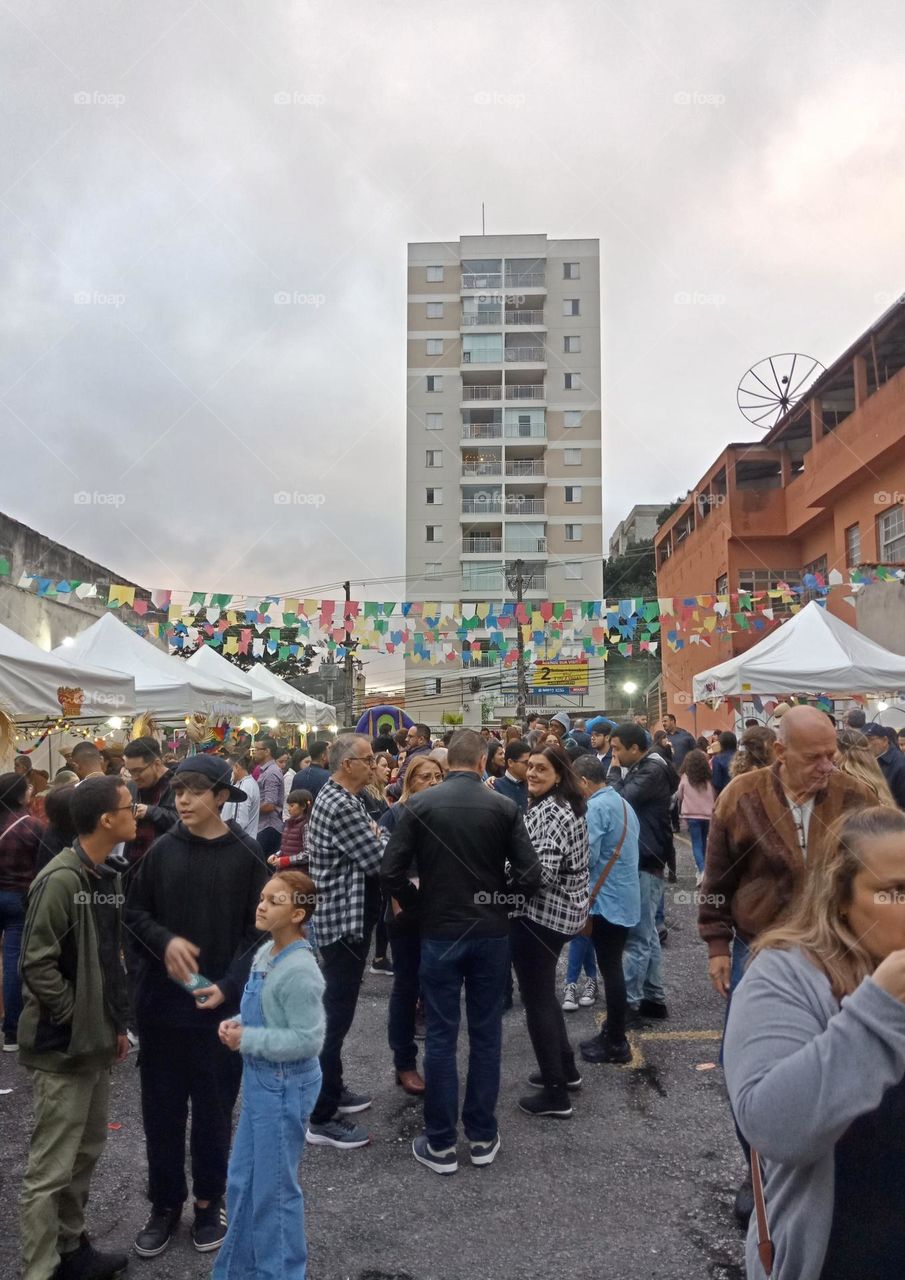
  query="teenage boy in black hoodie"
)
[{"x": 191, "y": 910}]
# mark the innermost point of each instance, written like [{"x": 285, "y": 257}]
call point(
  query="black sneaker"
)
[
  {"x": 157, "y": 1232},
  {"x": 600, "y": 1050},
  {"x": 88, "y": 1263},
  {"x": 573, "y": 1082},
  {"x": 437, "y": 1161},
  {"x": 209, "y": 1227},
  {"x": 653, "y": 1009},
  {"x": 350, "y": 1103},
  {"x": 382, "y": 965},
  {"x": 547, "y": 1103}
]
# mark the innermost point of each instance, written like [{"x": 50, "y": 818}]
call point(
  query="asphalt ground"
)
[{"x": 638, "y": 1184}]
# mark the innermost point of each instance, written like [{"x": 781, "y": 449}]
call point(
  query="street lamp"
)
[{"x": 629, "y": 688}]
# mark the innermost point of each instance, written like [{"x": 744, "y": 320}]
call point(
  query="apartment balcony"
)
[
  {"x": 482, "y": 506},
  {"x": 520, "y": 504},
  {"x": 526, "y": 467},
  {"x": 482, "y": 430},
  {"x": 523, "y": 317},
  {"x": 489, "y": 319},
  {"x": 481, "y": 544},
  {"x": 526, "y": 546},
  {"x": 525, "y": 280},
  {"x": 482, "y": 392},
  {"x": 482, "y": 469},
  {"x": 534, "y": 582},
  {"x": 491, "y": 586},
  {"x": 524, "y": 391},
  {"x": 526, "y": 430},
  {"x": 482, "y": 280},
  {"x": 525, "y": 355}
]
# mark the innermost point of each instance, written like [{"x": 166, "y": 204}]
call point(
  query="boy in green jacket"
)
[{"x": 72, "y": 1030}]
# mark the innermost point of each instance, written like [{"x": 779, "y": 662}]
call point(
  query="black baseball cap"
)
[{"x": 216, "y": 769}]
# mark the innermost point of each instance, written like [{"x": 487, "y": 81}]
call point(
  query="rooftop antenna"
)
[{"x": 482, "y": 217}]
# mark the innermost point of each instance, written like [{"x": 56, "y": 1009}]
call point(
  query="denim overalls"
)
[{"x": 266, "y": 1237}]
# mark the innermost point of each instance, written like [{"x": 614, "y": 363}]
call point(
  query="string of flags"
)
[{"x": 432, "y": 631}]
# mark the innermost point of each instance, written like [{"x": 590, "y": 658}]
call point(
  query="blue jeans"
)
[
  {"x": 482, "y": 964},
  {"x": 642, "y": 962},
  {"x": 12, "y": 920},
  {"x": 266, "y": 1236},
  {"x": 405, "y": 945},
  {"x": 581, "y": 954},
  {"x": 697, "y": 831}
]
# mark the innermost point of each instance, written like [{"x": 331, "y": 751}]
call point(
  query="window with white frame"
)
[
  {"x": 571, "y": 271},
  {"x": 434, "y": 533},
  {"x": 571, "y": 345},
  {"x": 853, "y": 546},
  {"x": 573, "y": 572},
  {"x": 573, "y": 493},
  {"x": 432, "y": 569},
  {"x": 434, "y": 382},
  {"x": 434, "y": 310},
  {"x": 572, "y": 381},
  {"x": 434, "y": 497},
  {"x": 573, "y": 533},
  {"x": 433, "y": 421},
  {"x": 433, "y": 458},
  {"x": 571, "y": 307},
  {"x": 891, "y": 535},
  {"x": 572, "y": 418},
  {"x": 434, "y": 346},
  {"x": 434, "y": 275},
  {"x": 571, "y": 457}
]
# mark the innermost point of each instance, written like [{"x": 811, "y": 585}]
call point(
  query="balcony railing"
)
[
  {"x": 525, "y": 391},
  {"x": 482, "y": 430},
  {"x": 526, "y": 546},
  {"x": 482, "y": 280},
  {"x": 477, "y": 545},
  {"x": 482, "y": 469},
  {"x": 524, "y": 279},
  {"x": 526, "y": 431},
  {"x": 482, "y": 393},
  {"x": 522, "y": 354},
  {"x": 525, "y": 467},
  {"x": 480, "y": 659},
  {"x": 524, "y": 317},
  {"x": 518, "y": 505},
  {"x": 482, "y": 506},
  {"x": 535, "y": 582},
  {"x": 484, "y": 587},
  {"x": 470, "y": 318}
]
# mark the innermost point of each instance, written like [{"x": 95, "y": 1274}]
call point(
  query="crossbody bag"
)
[{"x": 586, "y": 928}]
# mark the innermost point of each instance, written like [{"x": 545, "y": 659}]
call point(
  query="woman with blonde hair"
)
[
  {"x": 755, "y": 751},
  {"x": 855, "y": 758},
  {"x": 815, "y": 1063}
]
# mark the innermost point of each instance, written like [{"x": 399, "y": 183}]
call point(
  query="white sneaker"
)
[
  {"x": 699, "y": 879},
  {"x": 10, "y": 1046},
  {"x": 570, "y": 997},
  {"x": 588, "y": 992}
]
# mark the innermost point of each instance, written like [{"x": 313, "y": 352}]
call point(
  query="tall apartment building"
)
[{"x": 503, "y": 437}]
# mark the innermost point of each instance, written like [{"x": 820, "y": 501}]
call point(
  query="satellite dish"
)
[{"x": 770, "y": 388}]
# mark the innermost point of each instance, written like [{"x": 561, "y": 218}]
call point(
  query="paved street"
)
[{"x": 639, "y": 1184}]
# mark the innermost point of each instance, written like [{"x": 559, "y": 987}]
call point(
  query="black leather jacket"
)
[{"x": 648, "y": 787}]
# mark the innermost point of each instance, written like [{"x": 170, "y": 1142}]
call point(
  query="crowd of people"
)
[{"x": 217, "y": 912}]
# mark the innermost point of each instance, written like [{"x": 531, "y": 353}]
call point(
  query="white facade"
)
[
  {"x": 503, "y": 432},
  {"x": 639, "y": 525}
]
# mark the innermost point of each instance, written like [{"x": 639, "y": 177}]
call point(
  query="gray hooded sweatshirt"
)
[{"x": 800, "y": 1069}]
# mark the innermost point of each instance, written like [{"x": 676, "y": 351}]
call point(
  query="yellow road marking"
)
[{"x": 635, "y": 1037}]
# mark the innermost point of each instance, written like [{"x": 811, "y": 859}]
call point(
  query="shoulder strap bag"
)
[
  {"x": 764, "y": 1243},
  {"x": 586, "y": 928}
]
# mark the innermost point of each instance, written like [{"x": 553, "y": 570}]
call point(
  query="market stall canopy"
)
[
  {"x": 213, "y": 665},
  {"x": 167, "y": 687},
  {"x": 291, "y": 704},
  {"x": 814, "y": 652},
  {"x": 35, "y": 684}
]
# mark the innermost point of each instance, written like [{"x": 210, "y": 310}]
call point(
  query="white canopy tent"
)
[
  {"x": 814, "y": 652},
  {"x": 167, "y": 687},
  {"x": 35, "y": 684},
  {"x": 212, "y": 664},
  {"x": 291, "y": 704}
]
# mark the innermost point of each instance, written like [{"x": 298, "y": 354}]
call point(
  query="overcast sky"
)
[{"x": 742, "y": 165}]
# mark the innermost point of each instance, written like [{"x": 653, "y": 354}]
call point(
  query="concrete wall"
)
[{"x": 880, "y": 614}]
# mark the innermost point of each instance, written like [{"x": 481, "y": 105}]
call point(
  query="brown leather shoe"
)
[{"x": 411, "y": 1082}]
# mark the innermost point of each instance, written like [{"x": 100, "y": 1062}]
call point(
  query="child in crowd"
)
[
  {"x": 279, "y": 1033},
  {"x": 292, "y": 846}
]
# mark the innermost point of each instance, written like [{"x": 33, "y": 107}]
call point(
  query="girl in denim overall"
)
[{"x": 279, "y": 1032}]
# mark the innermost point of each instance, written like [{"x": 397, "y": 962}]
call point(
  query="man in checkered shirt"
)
[{"x": 344, "y": 852}]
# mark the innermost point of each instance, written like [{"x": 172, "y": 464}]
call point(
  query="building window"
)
[
  {"x": 572, "y": 381},
  {"x": 571, "y": 346},
  {"x": 571, "y": 457},
  {"x": 573, "y": 572},
  {"x": 432, "y": 569},
  {"x": 482, "y": 348},
  {"x": 570, "y": 307},
  {"x": 571, "y": 271},
  {"x": 722, "y": 585},
  {"x": 891, "y": 535},
  {"x": 853, "y": 546},
  {"x": 434, "y": 382},
  {"x": 434, "y": 346},
  {"x": 433, "y": 421},
  {"x": 818, "y": 566},
  {"x": 432, "y": 687},
  {"x": 435, "y": 310},
  {"x": 434, "y": 497},
  {"x": 572, "y": 418},
  {"x": 434, "y": 275},
  {"x": 573, "y": 493},
  {"x": 573, "y": 533},
  {"x": 433, "y": 458},
  {"x": 434, "y": 533}
]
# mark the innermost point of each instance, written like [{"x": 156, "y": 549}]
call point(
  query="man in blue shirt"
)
[
  {"x": 722, "y": 760},
  {"x": 313, "y": 777},
  {"x": 514, "y": 782}
]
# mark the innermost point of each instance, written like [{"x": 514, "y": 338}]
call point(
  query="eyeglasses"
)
[
  {"x": 364, "y": 759},
  {"x": 121, "y": 808}
]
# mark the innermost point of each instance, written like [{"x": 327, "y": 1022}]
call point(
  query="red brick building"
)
[{"x": 824, "y": 490}]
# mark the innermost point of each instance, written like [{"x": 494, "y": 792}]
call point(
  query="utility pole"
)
[
  {"x": 516, "y": 582},
  {"x": 349, "y": 681}
]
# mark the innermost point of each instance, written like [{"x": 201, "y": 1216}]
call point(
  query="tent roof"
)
[
  {"x": 209, "y": 662},
  {"x": 30, "y": 678},
  {"x": 291, "y": 704},
  {"x": 814, "y": 652},
  {"x": 164, "y": 685}
]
